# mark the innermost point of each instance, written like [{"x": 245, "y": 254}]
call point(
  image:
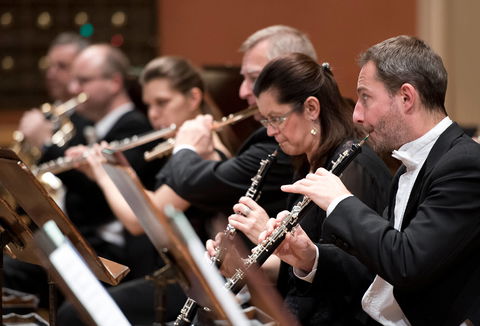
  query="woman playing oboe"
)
[{"x": 305, "y": 112}]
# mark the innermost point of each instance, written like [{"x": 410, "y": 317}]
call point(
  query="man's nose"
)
[
  {"x": 358, "y": 113},
  {"x": 244, "y": 90},
  {"x": 74, "y": 87}
]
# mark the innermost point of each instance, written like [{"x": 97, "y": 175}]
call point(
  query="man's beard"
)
[{"x": 389, "y": 132}]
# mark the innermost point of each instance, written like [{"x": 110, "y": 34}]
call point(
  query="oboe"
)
[
  {"x": 190, "y": 308},
  {"x": 254, "y": 192},
  {"x": 262, "y": 251}
]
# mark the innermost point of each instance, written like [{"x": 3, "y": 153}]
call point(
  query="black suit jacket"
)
[
  {"x": 433, "y": 263},
  {"x": 217, "y": 185}
]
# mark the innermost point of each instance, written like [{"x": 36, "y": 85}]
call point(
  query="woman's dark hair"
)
[{"x": 295, "y": 77}]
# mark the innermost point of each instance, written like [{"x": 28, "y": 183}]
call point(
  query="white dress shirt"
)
[{"x": 111, "y": 232}]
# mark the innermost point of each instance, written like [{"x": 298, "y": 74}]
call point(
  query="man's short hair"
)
[
  {"x": 282, "y": 40},
  {"x": 406, "y": 59},
  {"x": 70, "y": 38},
  {"x": 114, "y": 60}
]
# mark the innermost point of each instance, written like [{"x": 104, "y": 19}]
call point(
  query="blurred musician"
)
[
  {"x": 99, "y": 71},
  {"x": 174, "y": 92},
  {"x": 37, "y": 132},
  {"x": 36, "y": 129}
]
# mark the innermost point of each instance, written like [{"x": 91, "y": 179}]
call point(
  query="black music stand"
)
[
  {"x": 17, "y": 231},
  {"x": 200, "y": 281}
]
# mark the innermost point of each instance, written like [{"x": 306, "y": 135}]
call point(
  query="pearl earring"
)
[{"x": 313, "y": 131}]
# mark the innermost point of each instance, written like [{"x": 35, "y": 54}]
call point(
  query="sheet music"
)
[{"x": 88, "y": 290}]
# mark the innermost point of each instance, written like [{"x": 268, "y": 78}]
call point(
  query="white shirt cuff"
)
[
  {"x": 307, "y": 277},
  {"x": 180, "y": 147},
  {"x": 335, "y": 202}
]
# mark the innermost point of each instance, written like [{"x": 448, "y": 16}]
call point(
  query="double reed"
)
[
  {"x": 190, "y": 308},
  {"x": 262, "y": 251},
  {"x": 63, "y": 164},
  {"x": 165, "y": 148}
]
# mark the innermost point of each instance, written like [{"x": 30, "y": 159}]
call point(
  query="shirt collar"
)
[
  {"x": 103, "y": 126},
  {"x": 415, "y": 152}
]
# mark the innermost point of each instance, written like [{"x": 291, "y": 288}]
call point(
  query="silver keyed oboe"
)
[{"x": 253, "y": 192}]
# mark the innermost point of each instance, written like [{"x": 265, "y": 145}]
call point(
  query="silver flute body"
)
[{"x": 63, "y": 164}]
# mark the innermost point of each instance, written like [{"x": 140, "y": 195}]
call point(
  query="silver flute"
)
[{"x": 63, "y": 164}]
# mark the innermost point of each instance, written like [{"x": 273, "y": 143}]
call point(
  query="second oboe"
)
[{"x": 253, "y": 192}]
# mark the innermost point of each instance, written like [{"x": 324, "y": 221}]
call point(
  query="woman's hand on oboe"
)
[
  {"x": 296, "y": 249},
  {"x": 230, "y": 262},
  {"x": 249, "y": 218},
  {"x": 212, "y": 244}
]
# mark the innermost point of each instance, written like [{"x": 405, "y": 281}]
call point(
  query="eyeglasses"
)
[
  {"x": 275, "y": 122},
  {"x": 85, "y": 80}
]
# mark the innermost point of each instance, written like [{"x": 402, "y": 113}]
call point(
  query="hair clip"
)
[{"x": 326, "y": 66}]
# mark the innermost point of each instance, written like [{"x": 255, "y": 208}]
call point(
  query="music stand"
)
[
  {"x": 200, "y": 280},
  {"x": 75, "y": 279},
  {"x": 17, "y": 231}
]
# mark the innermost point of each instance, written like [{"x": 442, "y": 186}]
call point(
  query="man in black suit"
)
[
  {"x": 425, "y": 250},
  {"x": 100, "y": 71},
  {"x": 37, "y": 130}
]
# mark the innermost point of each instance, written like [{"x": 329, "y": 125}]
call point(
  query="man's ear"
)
[
  {"x": 409, "y": 96},
  {"x": 117, "y": 83}
]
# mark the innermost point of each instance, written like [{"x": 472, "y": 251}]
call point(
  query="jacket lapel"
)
[{"x": 442, "y": 145}]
